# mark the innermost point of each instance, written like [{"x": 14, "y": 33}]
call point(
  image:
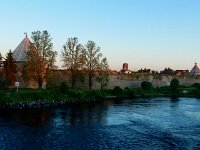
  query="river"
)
[{"x": 143, "y": 123}]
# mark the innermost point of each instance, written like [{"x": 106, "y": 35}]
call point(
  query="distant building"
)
[
  {"x": 125, "y": 66},
  {"x": 195, "y": 71},
  {"x": 181, "y": 72},
  {"x": 169, "y": 71},
  {"x": 125, "y": 69}
]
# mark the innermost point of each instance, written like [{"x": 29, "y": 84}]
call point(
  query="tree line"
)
[{"x": 78, "y": 59}]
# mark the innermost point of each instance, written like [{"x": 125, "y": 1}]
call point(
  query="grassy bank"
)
[
  {"x": 67, "y": 95},
  {"x": 28, "y": 95}
]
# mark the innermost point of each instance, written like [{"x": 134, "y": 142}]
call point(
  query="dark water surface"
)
[{"x": 157, "y": 123}]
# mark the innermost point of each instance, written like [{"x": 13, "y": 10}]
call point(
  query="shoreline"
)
[{"x": 41, "y": 104}]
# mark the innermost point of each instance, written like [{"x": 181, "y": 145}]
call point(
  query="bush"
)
[
  {"x": 174, "y": 84},
  {"x": 117, "y": 91},
  {"x": 2, "y": 84},
  {"x": 131, "y": 93},
  {"x": 63, "y": 87},
  {"x": 146, "y": 85},
  {"x": 196, "y": 85}
]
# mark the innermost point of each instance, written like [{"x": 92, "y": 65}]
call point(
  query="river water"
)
[{"x": 155, "y": 123}]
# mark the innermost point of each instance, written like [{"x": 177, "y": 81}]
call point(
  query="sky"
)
[{"x": 143, "y": 33}]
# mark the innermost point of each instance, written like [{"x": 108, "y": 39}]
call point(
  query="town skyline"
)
[{"x": 147, "y": 34}]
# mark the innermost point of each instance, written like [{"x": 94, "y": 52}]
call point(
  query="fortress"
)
[{"x": 124, "y": 78}]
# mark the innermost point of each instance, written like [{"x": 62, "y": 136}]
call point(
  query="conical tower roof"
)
[
  {"x": 195, "y": 70},
  {"x": 19, "y": 54}
]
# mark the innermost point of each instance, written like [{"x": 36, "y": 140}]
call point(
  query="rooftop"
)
[{"x": 19, "y": 54}]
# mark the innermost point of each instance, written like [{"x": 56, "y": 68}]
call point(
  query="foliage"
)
[
  {"x": 72, "y": 57},
  {"x": 174, "y": 85},
  {"x": 40, "y": 57},
  {"x": 1, "y": 65},
  {"x": 103, "y": 73},
  {"x": 196, "y": 85},
  {"x": 91, "y": 55},
  {"x": 55, "y": 77},
  {"x": 195, "y": 89},
  {"x": 2, "y": 84},
  {"x": 63, "y": 87},
  {"x": 131, "y": 93},
  {"x": 146, "y": 85},
  {"x": 2, "y": 81},
  {"x": 164, "y": 90},
  {"x": 117, "y": 91},
  {"x": 10, "y": 69}
]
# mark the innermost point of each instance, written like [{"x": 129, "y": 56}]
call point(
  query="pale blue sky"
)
[{"x": 144, "y": 33}]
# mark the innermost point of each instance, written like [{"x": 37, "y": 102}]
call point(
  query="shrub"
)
[
  {"x": 196, "y": 85},
  {"x": 146, "y": 85},
  {"x": 63, "y": 87},
  {"x": 131, "y": 93},
  {"x": 117, "y": 91},
  {"x": 174, "y": 84},
  {"x": 126, "y": 88},
  {"x": 2, "y": 84}
]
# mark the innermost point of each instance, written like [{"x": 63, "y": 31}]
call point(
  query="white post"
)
[{"x": 17, "y": 85}]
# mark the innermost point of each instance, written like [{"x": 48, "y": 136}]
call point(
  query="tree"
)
[
  {"x": 103, "y": 73},
  {"x": 2, "y": 81},
  {"x": 174, "y": 84},
  {"x": 92, "y": 55},
  {"x": 1, "y": 66},
  {"x": 72, "y": 57},
  {"x": 40, "y": 57},
  {"x": 10, "y": 69}
]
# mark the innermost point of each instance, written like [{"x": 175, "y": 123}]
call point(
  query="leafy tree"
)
[
  {"x": 72, "y": 57},
  {"x": 40, "y": 57},
  {"x": 92, "y": 55},
  {"x": 10, "y": 69},
  {"x": 146, "y": 85},
  {"x": 103, "y": 73},
  {"x": 1, "y": 66},
  {"x": 2, "y": 81},
  {"x": 174, "y": 84}
]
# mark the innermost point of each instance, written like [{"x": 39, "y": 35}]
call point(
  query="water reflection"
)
[
  {"x": 84, "y": 114},
  {"x": 73, "y": 115},
  {"x": 32, "y": 118},
  {"x": 144, "y": 123},
  {"x": 102, "y": 113}
]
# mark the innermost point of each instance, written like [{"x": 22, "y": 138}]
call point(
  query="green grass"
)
[
  {"x": 84, "y": 95},
  {"x": 28, "y": 95}
]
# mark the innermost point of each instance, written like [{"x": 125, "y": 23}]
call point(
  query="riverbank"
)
[{"x": 39, "y": 98}]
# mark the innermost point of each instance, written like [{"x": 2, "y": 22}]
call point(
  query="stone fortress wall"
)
[{"x": 134, "y": 83}]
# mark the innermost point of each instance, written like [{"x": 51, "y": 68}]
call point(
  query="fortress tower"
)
[{"x": 125, "y": 67}]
